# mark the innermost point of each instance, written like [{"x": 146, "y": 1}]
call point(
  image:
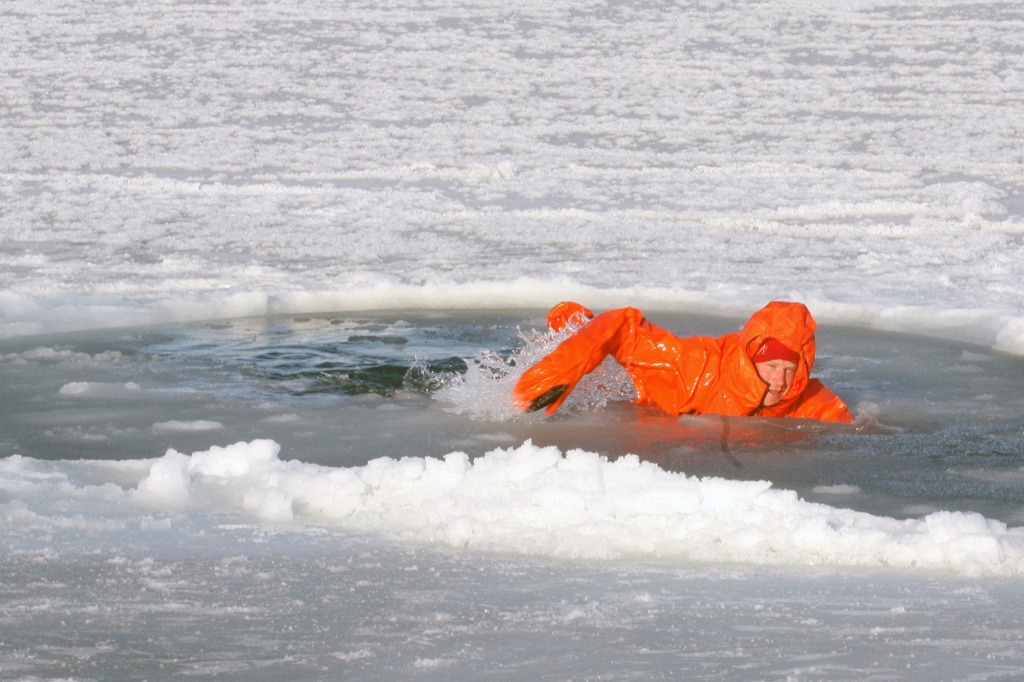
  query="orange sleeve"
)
[
  {"x": 666, "y": 370},
  {"x": 548, "y": 383}
]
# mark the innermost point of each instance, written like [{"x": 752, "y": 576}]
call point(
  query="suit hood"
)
[{"x": 793, "y": 326}]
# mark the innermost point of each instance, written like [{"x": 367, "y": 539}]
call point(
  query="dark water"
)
[{"x": 941, "y": 426}]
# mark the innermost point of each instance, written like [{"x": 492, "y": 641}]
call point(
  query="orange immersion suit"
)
[{"x": 691, "y": 375}]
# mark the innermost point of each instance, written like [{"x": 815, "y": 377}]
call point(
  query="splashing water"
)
[{"x": 485, "y": 390}]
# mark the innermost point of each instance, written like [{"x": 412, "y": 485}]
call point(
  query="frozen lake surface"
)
[{"x": 248, "y": 249}]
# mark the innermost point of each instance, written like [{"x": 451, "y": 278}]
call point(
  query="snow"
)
[{"x": 577, "y": 505}]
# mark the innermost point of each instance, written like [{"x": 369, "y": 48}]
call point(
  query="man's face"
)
[{"x": 778, "y": 374}]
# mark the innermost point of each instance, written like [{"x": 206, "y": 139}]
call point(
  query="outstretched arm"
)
[{"x": 547, "y": 384}]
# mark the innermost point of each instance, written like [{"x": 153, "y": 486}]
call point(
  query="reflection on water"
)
[{"x": 940, "y": 425}]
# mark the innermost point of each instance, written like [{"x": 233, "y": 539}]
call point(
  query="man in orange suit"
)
[{"x": 763, "y": 370}]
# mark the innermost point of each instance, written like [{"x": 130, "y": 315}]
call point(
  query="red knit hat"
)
[{"x": 773, "y": 349}]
